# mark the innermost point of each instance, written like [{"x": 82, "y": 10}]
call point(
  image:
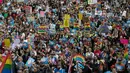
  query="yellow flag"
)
[
  {"x": 80, "y": 16},
  {"x": 67, "y": 17},
  {"x": 7, "y": 42},
  {"x": 66, "y": 23}
]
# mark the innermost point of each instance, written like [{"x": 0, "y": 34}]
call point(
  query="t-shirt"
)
[
  {"x": 5, "y": 15},
  {"x": 119, "y": 67}
]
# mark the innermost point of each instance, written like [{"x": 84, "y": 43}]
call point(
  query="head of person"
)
[{"x": 20, "y": 59}]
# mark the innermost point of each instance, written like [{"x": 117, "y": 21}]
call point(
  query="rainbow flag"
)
[
  {"x": 8, "y": 65},
  {"x": 3, "y": 59},
  {"x": 79, "y": 58},
  {"x": 42, "y": 29},
  {"x": 87, "y": 26},
  {"x": 76, "y": 26},
  {"x": 76, "y": 57},
  {"x": 126, "y": 53}
]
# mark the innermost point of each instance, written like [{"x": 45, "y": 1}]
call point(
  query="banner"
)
[
  {"x": 28, "y": 9},
  {"x": 42, "y": 13},
  {"x": 20, "y": 0},
  {"x": 7, "y": 42}
]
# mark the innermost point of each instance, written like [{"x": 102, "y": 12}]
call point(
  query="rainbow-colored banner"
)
[
  {"x": 8, "y": 65},
  {"x": 79, "y": 58},
  {"x": 126, "y": 54}
]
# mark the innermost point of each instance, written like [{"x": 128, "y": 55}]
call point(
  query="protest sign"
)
[
  {"x": 25, "y": 1},
  {"x": 92, "y": 1},
  {"x": 7, "y": 42},
  {"x": 124, "y": 41},
  {"x": 42, "y": 13},
  {"x": 28, "y": 9},
  {"x": 98, "y": 12},
  {"x": 20, "y": 0},
  {"x": 29, "y": 62},
  {"x": 79, "y": 66},
  {"x": 103, "y": 29},
  {"x": 44, "y": 60}
]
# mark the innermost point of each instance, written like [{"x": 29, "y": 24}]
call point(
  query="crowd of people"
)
[{"x": 102, "y": 38}]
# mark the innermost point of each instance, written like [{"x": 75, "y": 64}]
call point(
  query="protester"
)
[{"x": 44, "y": 35}]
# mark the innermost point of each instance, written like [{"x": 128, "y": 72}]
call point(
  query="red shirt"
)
[{"x": 97, "y": 52}]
